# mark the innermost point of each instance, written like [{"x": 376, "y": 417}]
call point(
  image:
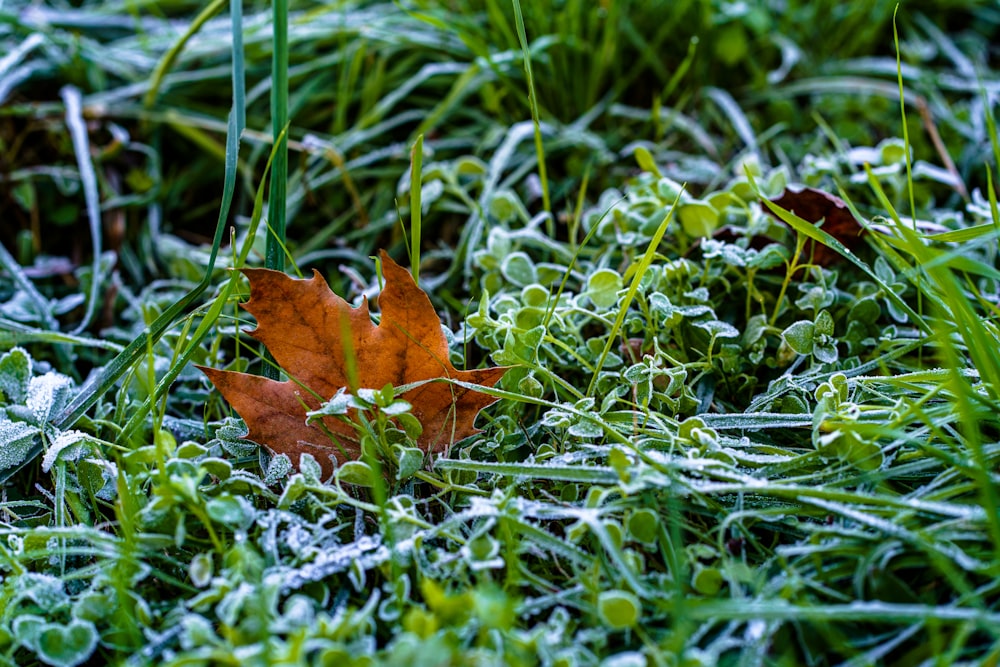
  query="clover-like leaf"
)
[
  {"x": 698, "y": 218},
  {"x": 603, "y": 286},
  {"x": 800, "y": 336},
  {"x": 618, "y": 609}
]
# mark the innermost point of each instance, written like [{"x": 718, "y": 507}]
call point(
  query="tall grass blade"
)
[
  {"x": 168, "y": 59},
  {"x": 640, "y": 271},
  {"x": 274, "y": 257},
  {"x": 533, "y": 104},
  {"x": 81, "y": 146},
  {"x": 902, "y": 113},
  {"x": 416, "y": 182},
  {"x": 991, "y": 127}
]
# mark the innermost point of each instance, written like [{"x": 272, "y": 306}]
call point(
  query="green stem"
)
[{"x": 274, "y": 254}]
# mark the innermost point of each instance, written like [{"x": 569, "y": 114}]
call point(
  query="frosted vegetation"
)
[{"x": 714, "y": 446}]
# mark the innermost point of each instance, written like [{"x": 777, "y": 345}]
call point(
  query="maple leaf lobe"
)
[{"x": 301, "y": 323}]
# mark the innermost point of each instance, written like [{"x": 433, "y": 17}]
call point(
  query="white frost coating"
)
[
  {"x": 16, "y": 545},
  {"x": 298, "y": 539},
  {"x": 626, "y": 659},
  {"x": 719, "y": 328},
  {"x": 755, "y": 630},
  {"x": 61, "y": 443},
  {"x": 44, "y": 589},
  {"x": 299, "y": 613},
  {"x": 16, "y": 439},
  {"x": 231, "y": 605},
  {"x": 947, "y": 549},
  {"x": 368, "y": 550},
  {"x": 11, "y": 431},
  {"x": 45, "y": 394}
]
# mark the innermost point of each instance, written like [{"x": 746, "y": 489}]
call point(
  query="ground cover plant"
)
[{"x": 725, "y": 436}]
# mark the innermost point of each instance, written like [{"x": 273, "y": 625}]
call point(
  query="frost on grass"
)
[
  {"x": 230, "y": 435},
  {"x": 366, "y": 552}
]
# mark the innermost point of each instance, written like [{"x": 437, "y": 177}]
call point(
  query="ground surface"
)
[{"x": 725, "y": 438}]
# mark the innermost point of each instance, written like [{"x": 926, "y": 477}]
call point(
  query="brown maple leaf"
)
[
  {"x": 813, "y": 205},
  {"x": 301, "y": 324}
]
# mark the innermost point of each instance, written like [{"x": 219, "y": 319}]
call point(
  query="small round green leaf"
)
[
  {"x": 232, "y": 511},
  {"x": 799, "y": 336},
  {"x": 603, "y": 286},
  {"x": 519, "y": 269},
  {"x": 15, "y": 372},
  {"x": 706, "y": 580},
  {"x": 824, "y": 323},
  {"x": 201, "y": 569},
  {"x": 530, "y": 386},
  {"x": 535, "y": 295},
  {"x": 504, "y": 206},
  {"x": 410, "y": 424},
  {"x": 866, "y": 311},
  {"x": 698, "y": 218},
  {"x": 643, "y": 526},
  {"x": 408, "y": 459},
  {"x": 892, "y": 151},
  {"x": 618, "y": 609},
  {"x": 645, "y": 160},
  {"x": 358, "y": 473}
]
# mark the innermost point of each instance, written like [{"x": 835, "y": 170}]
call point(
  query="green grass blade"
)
[
  {"x": 88, "y": 178},
  {"x": 644, "y": 263},
  {"x": 991, "y": 127},
  {"x": 992, "y": 194},
  {"x": 533, "y": 104},
  {"x": 416, "y": 180},
  {"x": 275, "y": 254},
  {"x": 15, "y": 333},
  {"x": 274, "y": 257},
  {"x": 546, "y": 471},
  {"x": 168, "y": 59},
  {"x": 902, "y": 113}
]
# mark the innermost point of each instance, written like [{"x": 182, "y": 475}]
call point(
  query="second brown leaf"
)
[{"x": 814, "y": 205}]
